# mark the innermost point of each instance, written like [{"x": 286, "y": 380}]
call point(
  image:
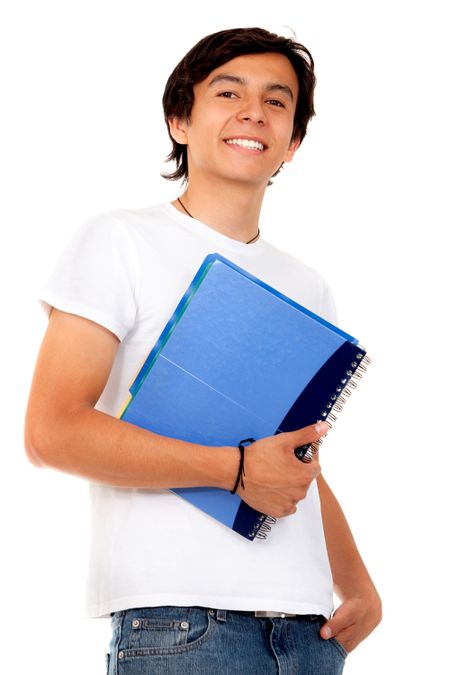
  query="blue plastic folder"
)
[{"x": 239, "y": 360}]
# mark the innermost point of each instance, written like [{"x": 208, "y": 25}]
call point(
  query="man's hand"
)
[
  {"x": 353, "y": 621},
  {"x": 275, "y": 479}
]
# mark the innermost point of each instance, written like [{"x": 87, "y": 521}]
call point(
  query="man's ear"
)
[
  {"x": 178, "y": 129},
  {"x": 293, "y": 147}
]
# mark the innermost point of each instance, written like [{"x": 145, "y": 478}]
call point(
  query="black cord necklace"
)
[{"x": 190, "y": 214}]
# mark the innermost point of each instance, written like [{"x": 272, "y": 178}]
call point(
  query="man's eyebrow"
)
[
  {"x": 281, "y": 87},
  {"x": 271, "y": 86}
]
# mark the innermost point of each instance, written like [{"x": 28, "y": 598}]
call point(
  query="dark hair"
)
[{"x": 212, "y": 52}]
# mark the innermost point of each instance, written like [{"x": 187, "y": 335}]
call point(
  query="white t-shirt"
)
[{"x": 127, "y": 270}]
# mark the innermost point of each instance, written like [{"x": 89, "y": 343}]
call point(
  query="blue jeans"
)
[{"x": 202, "y": 641}]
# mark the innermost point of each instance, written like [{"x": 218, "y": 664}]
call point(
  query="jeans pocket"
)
[
  {"x": 159, "y": 630},
  {"x": 339, "y": 646},
  {"x": 322, "y": 620}
]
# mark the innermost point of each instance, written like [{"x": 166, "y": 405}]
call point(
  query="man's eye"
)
[
  {"x": 277, "y": 102},
  {"x": 227, "y": 94}
]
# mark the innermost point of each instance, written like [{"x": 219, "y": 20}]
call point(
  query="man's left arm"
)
[{"x": 360, "y": 611}]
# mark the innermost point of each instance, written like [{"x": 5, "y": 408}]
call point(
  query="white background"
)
[{"x": 82, "y": 132}]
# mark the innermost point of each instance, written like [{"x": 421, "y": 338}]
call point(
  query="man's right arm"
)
[{"x": 63, "y": 430}]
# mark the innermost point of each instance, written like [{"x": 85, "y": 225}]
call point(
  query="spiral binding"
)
[
  {"x": 339, "y": 398},
  {"x": 261, "y": 531},
  {"x": 336, "y": 403}
]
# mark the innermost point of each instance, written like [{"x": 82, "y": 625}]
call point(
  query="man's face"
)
[{"x": 242, "y": 120}]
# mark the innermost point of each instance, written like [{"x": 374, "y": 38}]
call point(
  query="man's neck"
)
[{"x": 232, "y": 211}]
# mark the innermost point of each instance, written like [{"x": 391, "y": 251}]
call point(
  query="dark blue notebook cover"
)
[{"x": 238, "y": 359}]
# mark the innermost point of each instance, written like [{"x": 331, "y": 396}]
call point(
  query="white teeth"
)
[{"x": 245, "y": 143}]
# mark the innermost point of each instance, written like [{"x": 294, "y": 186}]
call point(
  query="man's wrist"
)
[{"x": 226, "y": 466}]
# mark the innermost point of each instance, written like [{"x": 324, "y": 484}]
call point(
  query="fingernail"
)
[
  {"x": 326, "y": 632},
  {"x": 321, "y": 427}
]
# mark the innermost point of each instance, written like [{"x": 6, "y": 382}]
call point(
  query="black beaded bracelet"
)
[{"x": 241, "y": 471}]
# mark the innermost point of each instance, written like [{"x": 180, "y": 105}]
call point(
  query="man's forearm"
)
[
  {"x": 104, "y": 449},
  {"x": 350, "y": 575}
]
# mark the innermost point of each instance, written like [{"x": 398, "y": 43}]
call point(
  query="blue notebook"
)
[{"x": 236, "y": 360}]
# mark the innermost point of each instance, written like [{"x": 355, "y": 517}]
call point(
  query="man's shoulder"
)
[
  {"x": 136, "y": 225},
  {"x": 130, "y": 217}
]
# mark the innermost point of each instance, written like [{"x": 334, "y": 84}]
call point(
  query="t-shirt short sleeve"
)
[
  {"x": 328, "y": 306},
  {"x": 95, "y": 277}
]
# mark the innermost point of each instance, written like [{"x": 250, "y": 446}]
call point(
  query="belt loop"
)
[{"x": 221, "y": 615}]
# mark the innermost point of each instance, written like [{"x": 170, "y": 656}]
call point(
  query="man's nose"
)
[{"x": 252, "y": 110}]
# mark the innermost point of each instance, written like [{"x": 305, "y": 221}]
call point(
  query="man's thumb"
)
[{"x": 327, "y": 630}]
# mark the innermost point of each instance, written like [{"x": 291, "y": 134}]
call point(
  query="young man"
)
[{"x": 186, "y": 594}]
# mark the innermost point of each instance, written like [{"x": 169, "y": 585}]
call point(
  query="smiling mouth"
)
[{"x": 246, "y": 143}]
